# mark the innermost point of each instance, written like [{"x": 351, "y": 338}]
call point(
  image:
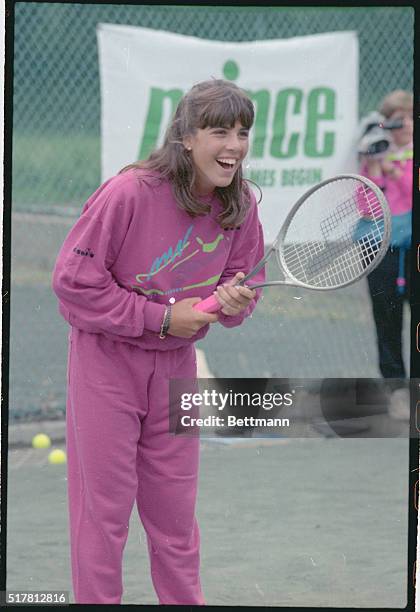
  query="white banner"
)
[{"x": 305, "y": 92}]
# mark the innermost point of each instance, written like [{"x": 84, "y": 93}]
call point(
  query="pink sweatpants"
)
[{"x": 119, "y": 450}]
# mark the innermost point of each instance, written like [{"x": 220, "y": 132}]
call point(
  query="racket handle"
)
[{"x": 210, "y": 304}]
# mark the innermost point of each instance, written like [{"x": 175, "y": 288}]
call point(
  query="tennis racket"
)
[{"x": 334, "y": 235}]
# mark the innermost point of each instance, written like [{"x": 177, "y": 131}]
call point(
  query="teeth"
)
[{"x": 232, "y": 162}]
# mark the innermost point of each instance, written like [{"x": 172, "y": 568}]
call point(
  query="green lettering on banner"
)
[
  {"x": 154, "y": 117},
  {"x": 321, "y": 96},
  {"x": 300, "y": 176},
  {"x": 231, "y": 70},
  {"x": 279, "y": 123},
  {"x": 264, "y": 178},
  {"x": 261, "y": 101}
]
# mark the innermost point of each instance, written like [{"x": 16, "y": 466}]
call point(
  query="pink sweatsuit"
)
[{"x": 131, "y": 250}]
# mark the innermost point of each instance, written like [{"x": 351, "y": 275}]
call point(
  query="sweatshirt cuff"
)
[
  {"x": 232, "y": 320},
  {"x": 153, "y": 316}
]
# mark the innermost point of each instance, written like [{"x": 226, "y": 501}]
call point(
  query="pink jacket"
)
[{"x": 398, "y": 192}]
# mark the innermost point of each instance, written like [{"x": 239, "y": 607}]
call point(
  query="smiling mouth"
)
[{"x": 226, "y": 165}]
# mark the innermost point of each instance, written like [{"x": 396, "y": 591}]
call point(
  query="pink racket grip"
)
[{"x": 210, "y": 304}]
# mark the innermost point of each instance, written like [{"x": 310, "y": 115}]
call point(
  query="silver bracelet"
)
[{"x": 165, "y": 323}]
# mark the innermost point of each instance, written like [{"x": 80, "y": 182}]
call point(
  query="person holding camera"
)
[{"x": 386, "y": 152}]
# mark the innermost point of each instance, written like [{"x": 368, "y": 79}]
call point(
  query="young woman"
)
[
  {"x": 150, "y": 243},
  {"x": 388, "y": 283}
]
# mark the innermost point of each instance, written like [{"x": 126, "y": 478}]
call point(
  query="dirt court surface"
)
[{"x": 298, "y": 522}]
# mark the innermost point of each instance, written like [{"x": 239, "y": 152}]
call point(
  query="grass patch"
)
[{"x": 54, "y": 170}]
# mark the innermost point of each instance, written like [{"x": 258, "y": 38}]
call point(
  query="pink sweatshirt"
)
[
  {"x": 133, "y": 248},
  {"x": 398, "y": 192}
]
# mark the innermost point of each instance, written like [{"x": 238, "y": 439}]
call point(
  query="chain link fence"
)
[
  {"x": 56, "y": 142},
  {"x": 56, "y": 166}
]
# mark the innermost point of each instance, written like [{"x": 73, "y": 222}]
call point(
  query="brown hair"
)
[
  {"x": 397, "y": 99},
  {"x": 214, "y": 103}
]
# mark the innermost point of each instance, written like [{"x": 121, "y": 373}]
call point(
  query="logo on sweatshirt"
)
[
  {"x": 86, "y": 252},
  {"x": 168, "y": 257},
  {"x": 176, "y": 253}
]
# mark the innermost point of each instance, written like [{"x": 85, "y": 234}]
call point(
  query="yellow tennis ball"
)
[
  {"x": 57, "y": 456},
  {"x": 41, "y": 441}
]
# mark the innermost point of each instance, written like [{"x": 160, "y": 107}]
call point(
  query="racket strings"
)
[
  {"x": 342, "y": 270},
  {"x": 335, "y": 220},
  {"x": 324, "y": 269},
  {"x": 350, "y": 233}
]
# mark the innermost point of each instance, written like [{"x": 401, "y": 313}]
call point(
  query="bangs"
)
[{"x": 225, "y": 111}]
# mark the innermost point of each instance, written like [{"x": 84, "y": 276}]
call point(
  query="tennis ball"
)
[
  {"x": 41, "y": 441},
  {"x": 57, "y": 456}
]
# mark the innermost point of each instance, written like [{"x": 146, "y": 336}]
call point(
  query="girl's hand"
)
[
  {"x": 234, "y": 298},
  {"x": 374, "y": 166},
  {"x": 186, "y": 321},
  {"x": 390, "y": 169},
  {"x": 379, "y": 167}
]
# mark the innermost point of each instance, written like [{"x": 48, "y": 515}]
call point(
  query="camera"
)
[{"x": 375, "y": 135}]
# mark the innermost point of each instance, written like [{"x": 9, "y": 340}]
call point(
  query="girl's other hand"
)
[
  {"x": 390, "y": 169},
  {"x": 379, "y": 167},
  {"x": 186, "y": 321},
  {"x": 234, "y": 298},
  {"x": 374, "y": 166}
]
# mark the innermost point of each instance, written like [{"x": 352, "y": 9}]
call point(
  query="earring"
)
[{"x": 188, "y": 148}]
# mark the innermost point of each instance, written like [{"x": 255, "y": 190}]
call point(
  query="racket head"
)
[{"x": 335, "y": 234}]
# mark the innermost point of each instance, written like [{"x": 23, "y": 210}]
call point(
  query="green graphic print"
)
[{"x": 169, "y": 257}]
